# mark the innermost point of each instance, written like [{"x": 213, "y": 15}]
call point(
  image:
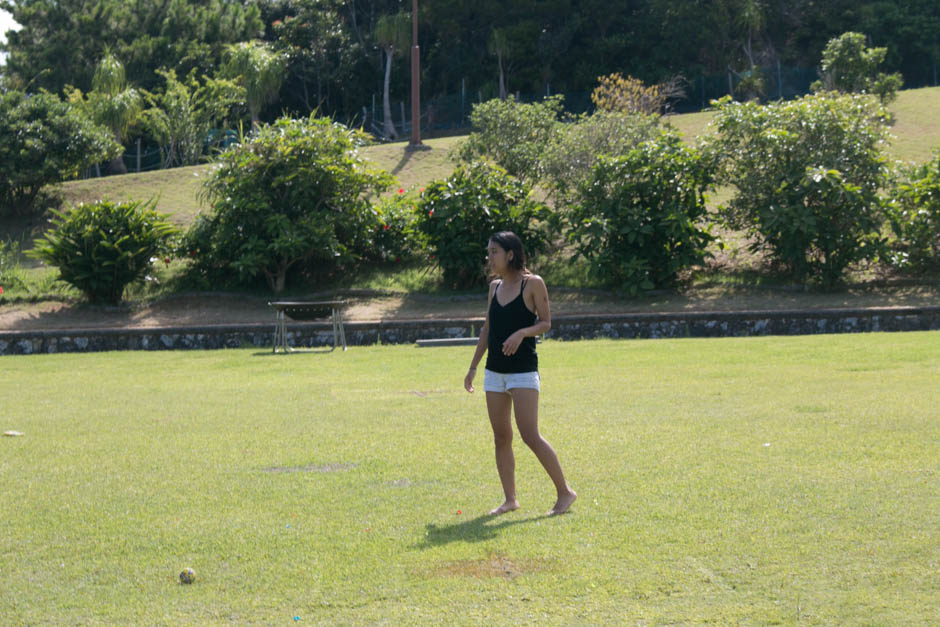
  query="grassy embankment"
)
[{"x": 916, "y": 134}]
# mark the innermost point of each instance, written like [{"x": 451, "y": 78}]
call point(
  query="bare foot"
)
[
  {"x": 563, "y": 503},
  {"x": 508, "y": 506}
]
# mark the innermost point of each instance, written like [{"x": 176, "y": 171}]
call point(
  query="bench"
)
[{"x": 307, "y": 310}]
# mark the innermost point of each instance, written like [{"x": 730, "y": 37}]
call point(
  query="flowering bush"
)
[
  {"x": 396, "y": 237},
  {"x": 458, "y": 214}
]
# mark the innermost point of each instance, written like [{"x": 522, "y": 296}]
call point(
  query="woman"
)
[{"x": 517, "y": 311}]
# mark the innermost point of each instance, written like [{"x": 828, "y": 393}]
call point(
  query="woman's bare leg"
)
[
  {"x": 526, "y": 402},
  {"x": 499, "y": 406}
]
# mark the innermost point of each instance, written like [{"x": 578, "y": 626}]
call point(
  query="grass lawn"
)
[{"x": 762, "y": 480}]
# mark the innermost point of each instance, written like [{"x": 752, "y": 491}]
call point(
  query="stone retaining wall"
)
[{"x": 318, "y": 334}]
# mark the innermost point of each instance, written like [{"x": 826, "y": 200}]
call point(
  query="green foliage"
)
[
  {"x": 458, "y": 214},
  {"x": 800, "y": 169},
  {"x": 914, "y": 214},
  {"x": 512, "y": 134},
  {"x": 101, "y": 247},
  {"x": 182, "y": 116},
  {"x": 257, "y": 68},
  {"x": 849, "y": 67},
  {"x": 44, "y": 141},
  {"x": 296, "y": 192},
  {"x": 569, "y": 158},
  {"x": 10, "y": 272},
  {"x": 397, "y": 237},
  {"x": 637, "y": 217}
]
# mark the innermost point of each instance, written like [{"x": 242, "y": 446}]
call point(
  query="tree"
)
[
  {"x": 393, "y": 35},
  {"x": 512, "y": 134},
  {"x": 44, "y": 141},
  {"x": 260, "y": 70},
  {"x": 849, "y": 67},
  {"x": 806, "y": 175},
  {"x": 60, "y": 39},
  {"x": 296, "y": 193},
  {"x": 114, "y": 104},
  {"x": 637, "y": 217},
  {"x": 182, "y": 116},
  {"x": 500, "y": 47}
]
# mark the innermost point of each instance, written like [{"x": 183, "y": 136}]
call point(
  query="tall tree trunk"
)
[
  {"x": 117, "y": 166},
  {"x": 388, "y": 126},
  {"x": 502, "y": 79}
]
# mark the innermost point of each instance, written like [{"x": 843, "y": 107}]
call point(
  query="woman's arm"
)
[
  {"x": 481, "y": 344},
  {"x": 536, "y": 299}
]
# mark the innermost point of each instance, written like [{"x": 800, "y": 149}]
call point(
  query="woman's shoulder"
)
[{"x": 534, "y": 278}]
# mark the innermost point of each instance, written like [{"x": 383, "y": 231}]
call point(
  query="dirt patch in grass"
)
[
  {"x": 493, "y": 566},
  {"x": 323, "y": 468}
]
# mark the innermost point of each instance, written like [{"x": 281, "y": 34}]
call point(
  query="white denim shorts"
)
[{"x": 504, "y": 381}]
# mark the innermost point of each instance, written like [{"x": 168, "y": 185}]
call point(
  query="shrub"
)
[
  {"x": 296, "y": 193},
  {"x": 799, "y": 167},
  {"x": 44, "y": 141},
  {"x": 914, "y": 213},
  {"x": 102, "y": 247},
  {"x": 397, "y": 237},
  {"x": 512, "y": 134},
  {"x": 569, "y": 159},
  {"x": 477, "y": 200},
  {"x": 11, "y": 275},
  {"x": 636, "y": 219},
  {"x": 849, "y": 67},
  {"x": 631, "y": 95}
]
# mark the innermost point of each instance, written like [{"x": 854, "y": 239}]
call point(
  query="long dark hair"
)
[{"x": 509, "y": 241}]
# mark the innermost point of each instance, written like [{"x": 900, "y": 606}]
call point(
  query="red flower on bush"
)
[
  {"x": 1, "y": 289},
  {"x": 387, "y": 227},
  {"x": 431, "y": 213},
  {"x": 401, "y": 191}
]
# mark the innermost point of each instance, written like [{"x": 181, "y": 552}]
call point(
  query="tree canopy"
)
[{"x": 335, "y": 60}]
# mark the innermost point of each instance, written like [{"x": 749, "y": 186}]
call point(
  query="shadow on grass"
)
[
  {"x": 297, "y": 351},
  {"x": 476, "y": 529}
]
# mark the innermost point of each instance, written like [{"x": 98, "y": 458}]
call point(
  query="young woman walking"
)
[{"x": 517, "y": 312}]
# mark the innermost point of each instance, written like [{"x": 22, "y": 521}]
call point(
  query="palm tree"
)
[
  {"x": 393, "y": 34},
  {"x": 113, "y": 103},
  {"x": 260, "y": 71}
]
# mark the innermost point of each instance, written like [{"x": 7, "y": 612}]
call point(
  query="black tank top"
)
[{"x": 504, "y": 321}]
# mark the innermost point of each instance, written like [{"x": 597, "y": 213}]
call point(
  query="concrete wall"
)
[{"x": 319, "y": 334}]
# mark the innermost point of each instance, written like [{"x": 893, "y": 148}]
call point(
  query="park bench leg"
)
[{"x": 342, "y": 331}]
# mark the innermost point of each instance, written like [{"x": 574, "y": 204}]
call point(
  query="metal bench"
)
[{"x": 308, "y": 310}]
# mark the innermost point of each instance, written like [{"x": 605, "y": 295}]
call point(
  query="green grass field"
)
[{"x": 754, "y": 481}]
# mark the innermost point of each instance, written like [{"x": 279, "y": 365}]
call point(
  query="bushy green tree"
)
[
  {"x": 512, "y": 134},
  {"x": 43, "y": 141},
  {"x": 260, "y": 70},
  {"x": 914, "y": 213},
  {"x": 297, "y": 192},
  {"x": 848, "y": 66},
  {"x": 568, "y": 158},
  {"x": 806, "y": 175},
  {"x": 459, "y": 213},
  {"x": 102, "y": 247},
  {"x": 638, "y": 218}
]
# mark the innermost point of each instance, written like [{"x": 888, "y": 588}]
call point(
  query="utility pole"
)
[{"x": 415, "y": 143}]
